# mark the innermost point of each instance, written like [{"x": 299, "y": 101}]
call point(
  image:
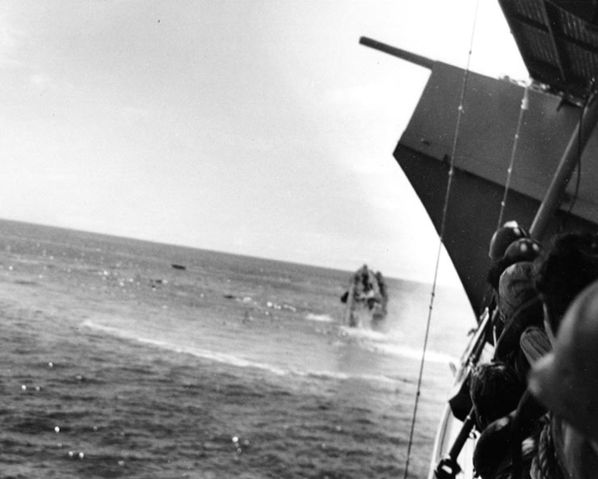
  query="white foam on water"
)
[
  {"x": 363, "y": 333},
  {"x": 339, "y": 375},
  {"x": 322, "y": 318},
  {"x": 387, "y": 343},
  {"x": 231, "y": 359},
  {"x": 414, "y": 353},
  {"x": 215, "y": 356},
  {"x": 370, "y": 334}
]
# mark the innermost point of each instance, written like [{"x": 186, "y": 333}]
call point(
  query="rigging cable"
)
[
  {"x": 524, "y": 107},
  {"x": 449, "y": 183}
]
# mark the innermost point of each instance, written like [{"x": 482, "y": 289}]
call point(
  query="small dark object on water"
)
[
  {"x": 345, "y": 297},
  {"x": 178, "y": 266}
]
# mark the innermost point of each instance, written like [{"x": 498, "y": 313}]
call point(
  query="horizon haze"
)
[{"x": 259, "y": 128}]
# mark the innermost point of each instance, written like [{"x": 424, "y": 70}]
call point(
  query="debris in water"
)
[
  {"x": 240, "y": 444},
  {"x": 178, "y": 266},
  {"x": 154, "y": 283}
]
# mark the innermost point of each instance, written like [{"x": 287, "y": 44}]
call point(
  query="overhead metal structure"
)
[{"x": 558, "y": 41}]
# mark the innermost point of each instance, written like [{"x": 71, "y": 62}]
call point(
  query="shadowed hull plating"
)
[{"x": 484, "y": 146}]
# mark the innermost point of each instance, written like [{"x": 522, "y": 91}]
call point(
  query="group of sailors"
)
[{"x": 536, "y": 402}]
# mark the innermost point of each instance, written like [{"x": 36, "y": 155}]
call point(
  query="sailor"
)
[
  {"x": 515, "y": 289},
  {"x": 503, "y": 237},
  {"x": 494, "y": 455},
  {"x": 519, "y": 325},
  {"x": 495, "y": 391},
  {"x": 518, "y": 302},
  {"x": 496, "y": 388},
  {"x": 364, "y": 274},
  {"x": 566, "y": 382},
  {"x": 519, "y": 309},
  {"x": 569, "y": 266},
  {"x": 521, "y": 249},
  {"x": 357, "y": 286},
  {"x": 509, "y": 244}
]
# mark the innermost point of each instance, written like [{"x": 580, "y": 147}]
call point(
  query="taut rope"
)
[
  {"x": 460, "y": 112},
  {"x": 524, "y": 107}
]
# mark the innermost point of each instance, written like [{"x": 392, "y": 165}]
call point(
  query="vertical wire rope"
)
[
  {"x": 524, "y": 107},
  {"x": 449, "y": 183}
]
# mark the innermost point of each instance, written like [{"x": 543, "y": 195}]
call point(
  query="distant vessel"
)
[
  {"x": 507, "y": 151},
  {"x": 366, "y": 298}
]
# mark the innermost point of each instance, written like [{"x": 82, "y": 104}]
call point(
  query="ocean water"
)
[{"x": 116, "y": 364}]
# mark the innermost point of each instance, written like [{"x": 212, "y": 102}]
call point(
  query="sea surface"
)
[{"x": 115, "y": 364}]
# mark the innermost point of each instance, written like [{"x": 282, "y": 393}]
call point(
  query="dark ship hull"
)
[{"x": 489, "y": 123}]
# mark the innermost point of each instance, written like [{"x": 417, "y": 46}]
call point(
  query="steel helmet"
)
[
  {"x": 503, "y": 237},
  {"x": 523, "y": 249},
  {"x": 566, "y": 380}
]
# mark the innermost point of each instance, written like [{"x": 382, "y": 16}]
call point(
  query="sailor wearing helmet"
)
[{"x": 566, "y": 382}]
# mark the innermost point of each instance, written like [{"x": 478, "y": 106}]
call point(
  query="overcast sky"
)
[{"x": 258, "y": 127}]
